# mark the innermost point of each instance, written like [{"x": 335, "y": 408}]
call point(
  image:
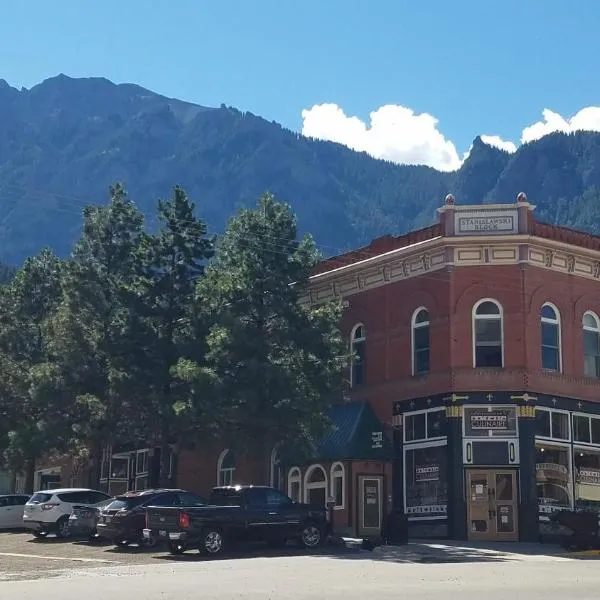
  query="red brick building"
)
[{"x": 477, "y": 357}]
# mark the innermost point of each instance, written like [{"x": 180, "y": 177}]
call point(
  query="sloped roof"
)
[{"x": 356, "y": 433}]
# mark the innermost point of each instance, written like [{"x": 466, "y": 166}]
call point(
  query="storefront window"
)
[
  {"x": 552, "y": 424},
  {"x": 581, "y": 429},
  {"x": 415, "y": 427},
  {"x": 425, "y": 425},
  {"x": 426, "y": 482},
  {"x": 553, "y": 478},
  {"x": 587, "y": 479}
]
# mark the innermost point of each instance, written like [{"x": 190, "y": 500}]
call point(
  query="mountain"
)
[{"x": 64, "y": 141}]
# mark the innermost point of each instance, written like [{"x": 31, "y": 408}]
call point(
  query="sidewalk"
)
[{"x": 446, "y": 551}]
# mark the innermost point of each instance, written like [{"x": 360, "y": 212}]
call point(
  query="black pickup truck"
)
[{"x": 237, "y": 513}]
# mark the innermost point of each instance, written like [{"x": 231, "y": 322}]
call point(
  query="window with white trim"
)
[
  {"x": 587, "y": 479},
  {"x": 315, "y": 485},
  {"x": 226, "y": 468},
  {"x": 488, "y": 336},
  {"x": 358, "y": 341},
  {"x": 553, "y": 477},
  {"x": 550, "y": 337},
  {"x": 338, "y": 485},
  {"x": 425, "y": 425},
  {"x": 294, "y": 484},
  {"x": 586, "y": 429},
  {"x": 420, "y": 341},
  {"x": 591, "y": 344},
  {"x": 552, "y": 424}
]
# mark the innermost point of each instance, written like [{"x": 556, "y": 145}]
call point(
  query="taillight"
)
[
  {"x": 184, "y": 520},
  {"x": 49, "y": 506}
]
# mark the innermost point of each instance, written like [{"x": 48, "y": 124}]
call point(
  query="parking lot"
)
[{"x": 22, "y": 557}]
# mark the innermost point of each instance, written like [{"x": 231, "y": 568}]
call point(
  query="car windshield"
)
[
  {"x": 126, "y": 503},
  {"x": 40, "y": 498}
]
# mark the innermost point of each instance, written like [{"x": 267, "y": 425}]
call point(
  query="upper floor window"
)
[
  {"x": 358, "y": 340},
  {"x": 420, "y": 341},
  {"x": 591, "y": 345},
  {"x": 550, "y": 336},
  {"x": 488, "y": 335}
]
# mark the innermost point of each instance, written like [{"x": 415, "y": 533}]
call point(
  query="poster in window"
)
[{"x": 426, "y": 482}]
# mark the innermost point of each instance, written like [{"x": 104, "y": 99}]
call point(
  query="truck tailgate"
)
[{"x": 166, "y": 518}]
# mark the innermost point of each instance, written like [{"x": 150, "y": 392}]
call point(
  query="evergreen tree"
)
[
  {"x": 36, "y": 412},
  {"x": 274, "y": 364},
  {"x": 96, "y": 328},
  {"x": 172, "y": 261}
]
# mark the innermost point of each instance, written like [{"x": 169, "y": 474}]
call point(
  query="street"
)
[{"x": 71, "y": 570}]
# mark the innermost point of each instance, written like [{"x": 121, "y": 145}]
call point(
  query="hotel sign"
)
[{"x": 485, "y": 222}]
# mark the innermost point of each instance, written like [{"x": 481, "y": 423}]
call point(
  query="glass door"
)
[{"x": 492, "y": 505}]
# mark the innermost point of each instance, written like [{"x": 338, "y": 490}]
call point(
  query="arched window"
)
[
  {"x": 550, "y": 331},
  {"x": 488, "y": 336},
  {"x": 226, "y": 468},
  {"x": 420, "y": 341},
  {"x": 591, "y": 345},
  {"x": 294, "y": 484},
  {"x": 358, "y": 340},
  {"x": 338, "y": 487},
  {"x": 275, "y": 472},
  {"x": 315, "y": 485}
]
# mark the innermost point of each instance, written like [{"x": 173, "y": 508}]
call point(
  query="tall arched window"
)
[
  {"x": 275, "y": 472},
  {"x": 358, "y": 340},
  {"x": 488, "y": 334},
  {"x": 550, "y": 332},
  {"x": 591, "y": 344},
  {"x": 420, "y": 341},
  {"x": 315, "y": 485},
  {"x": 226, "y": 468},
  {"x": 294, "y": 484},
  {"x": 338, "y": 487}
]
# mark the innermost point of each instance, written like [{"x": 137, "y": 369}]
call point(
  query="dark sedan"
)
[{"x": 124, "y": 519}]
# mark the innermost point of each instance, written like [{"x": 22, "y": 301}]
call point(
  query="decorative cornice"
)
[{"x": 440, "y": 253}]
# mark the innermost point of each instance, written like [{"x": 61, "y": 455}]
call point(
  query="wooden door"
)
[{"x": 492, "y": 505}]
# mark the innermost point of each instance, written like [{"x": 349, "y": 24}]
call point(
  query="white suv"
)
[{"x": 48, "y": 511}]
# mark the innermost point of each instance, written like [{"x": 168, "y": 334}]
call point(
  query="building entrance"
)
[{"x": 492, "y": 504}]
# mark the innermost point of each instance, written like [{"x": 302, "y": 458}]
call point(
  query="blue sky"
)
[{"x": 477, "y": 66}]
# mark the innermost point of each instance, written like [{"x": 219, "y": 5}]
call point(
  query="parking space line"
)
[{"x": 42, "y": 557}]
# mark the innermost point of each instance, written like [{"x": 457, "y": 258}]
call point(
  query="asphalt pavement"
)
[{"x": 71, "y": 571}]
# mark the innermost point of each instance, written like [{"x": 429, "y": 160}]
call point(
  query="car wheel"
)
[
  {"x": 212, "y": 542},
  {"x": 40, "y": 535},
  {"x": 176, "y": 548},
  {"x": 311, "y": 535},
  {"x": 62, "y": 528}
]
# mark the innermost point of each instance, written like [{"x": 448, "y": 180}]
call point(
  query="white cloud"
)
[
  {"x": 398, "y": 134},
  {"x": 587, "y": 119},
  {"x": 497, "y": 142},
  {"x": 395, "y": 133}
]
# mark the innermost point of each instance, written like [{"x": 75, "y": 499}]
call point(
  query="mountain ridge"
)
[{"x": 64, "y": 141}]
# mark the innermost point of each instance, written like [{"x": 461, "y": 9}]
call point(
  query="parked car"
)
[
  {"x": 48, "y": 511},
  {"x": 123, "y": 520},
  {"x": 11, "y": 510},
  {"x": 238, "y": 513},
  {"x": 83, "y": 521}
]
